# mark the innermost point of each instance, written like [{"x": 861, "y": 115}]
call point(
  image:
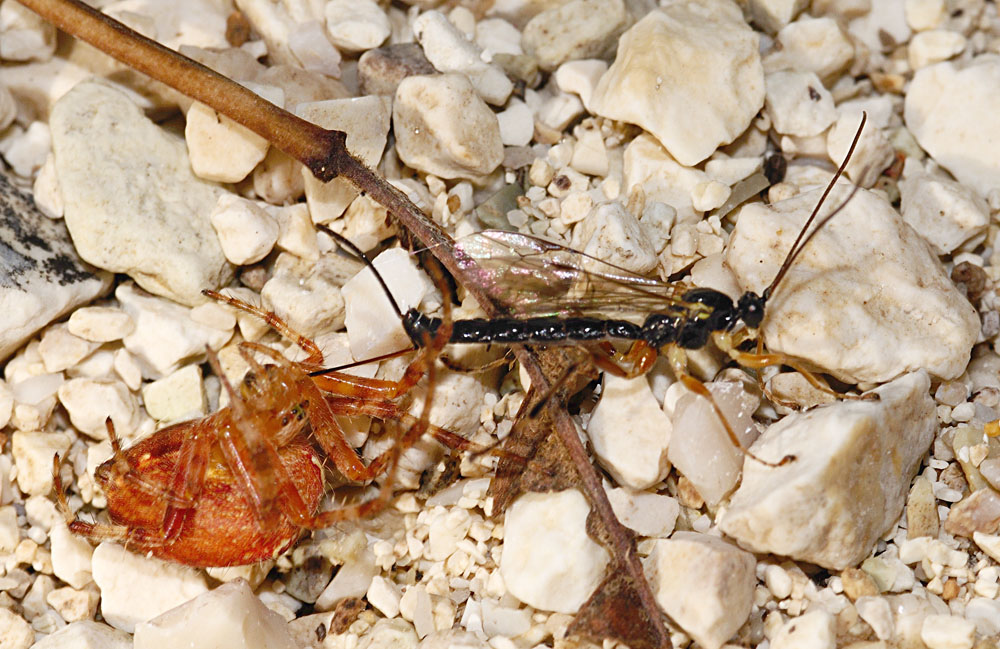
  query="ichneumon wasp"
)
[{"x": 556, "y": 295}]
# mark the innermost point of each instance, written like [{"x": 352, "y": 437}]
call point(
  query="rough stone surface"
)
[
  {"x": 86, "y": 635},
  {"x": 690, "y": 74},
  {"x": 703, "y": 583},
  {"x": 548, "y": 560},
  {"x": 443, "y": 128},
  {"x": 862, "y": 299},
  {"x": 798, "y": 103},
  {"x": 951, "y": 112},
  {"x": 41, "y": 275},
  {"x": 847, "y": 484},
  {"x": 579, "y": 29},
  {"x": 944, "y": 212},
  {"x": 142, "y": 211},
  {"x": 381, "y": 70},
  {"x": 229, "y": 616}
]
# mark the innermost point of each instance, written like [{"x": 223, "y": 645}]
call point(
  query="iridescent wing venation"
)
[{"x": 533, "y": 277}]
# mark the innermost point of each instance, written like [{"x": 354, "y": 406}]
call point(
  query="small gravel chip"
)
[{"x": 948, "y": 632}]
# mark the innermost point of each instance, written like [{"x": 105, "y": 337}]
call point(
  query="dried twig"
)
[{"x": 325, "y": 153}]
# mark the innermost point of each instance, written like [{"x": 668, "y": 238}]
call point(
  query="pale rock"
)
[
  {"x": 246, "y": 231},
  {"x": 307, "y": 295},
  {"x": 580, "y": 77},
  {"x": 177, "y": 396},
  {"x": 384, "y": 596},
  {"x": 590, "y": 156},
  {"x": 390, "y": 634},
  {"x": 86, "y": 634},
  {"x": 517, "y": 124},
  {"x": 352, "y": 580},
  {"x": 700, "y": 447},
  {"x": 366, "y": 223},
  {"x": 356, "y": 25},
  {"x": 311, "y": 46},
  {"x": 798, "y": 104},
  {"x": 8, "y": 107},
  {"x": 373, "y": 327},
  {"x": 60, "y": 349},
  {"x": 221, "y": 149},
  {"x": 647, "y": 514},
  {"x": 127, "y": 369},
  {"x": 977, "y": 512},
  {"x": 90, "y": 402},
  {"x": 24, "y": 35},
  {"x": 950, "y": 110},
  {"x": 497, "y": 36},
  {"x": 689, "y": 74},
  {"x": 27, "y": 153},
  {"x": 6, "y": 404},
  {"x": 9, "y": 535},
  {"x": 71, "y": 556},
  {"x": 455, "y": 638},
  {"x": 934, "y": 46},
  {"x": 877, "y": 613},
  {"x": 415, "y": 606},
  {"x": 32, "y": 452},
  {"x": 948, "y": 632},
  {"x": 504, "y": 621},
  {"x": 884, "y": 27},
  {"x": 274, "y": 24},
  {"x": 152, "y": 225},
  {"x": 559, "y": 111},
  {"x": 853, "y": 462},
  {"x": 648, "y": 166},
  {"x": 813, "y": 630},
  {"x": 278, "y": 178},
  {"x": 187, "y": 22},
  {"x": 366, "y": 122},
  {"x": 772, "y": 15},
  {"x": 706, "y": 585},
  {"x": 873, "y": 153},
  {"x": 380, "y": 70},
  {"x": 945, "y": 213},
  {"x": 816, "y": 45},
  {"x": 15, "y": 632},
  {"x": 862, "y": 299},
  {"x": 230, "y": 615},
  {"x": 985, "y": 613},
  {"x": 709, "y": 195},
  {"x": 164, "y": 332},
  {"x": 100, "y": 324},
  {"x": 45, "y": 277},
  {"x": 924, "y": 14},
  {"x": 548, "y": 559},
  {"x": 449, "y": 51},
  {"x": 215, "y": 315},
  {"x": 34, "y": 398},
  {"x": 988, "y": 543},
  {"x": 443, "y": 128},
  {"x": 610, "y": 233},
  {"x": 630, "y": 433},
  {"x": 578, "y": 29},
  {"x": 73, "y": 605},
  {"x": 48, "y": 199},
  {"x": 135, "y": 589},
  {"x": 296, "y": 233}
]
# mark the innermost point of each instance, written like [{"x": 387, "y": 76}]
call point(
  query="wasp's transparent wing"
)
[{"x": 533, "y": 277}]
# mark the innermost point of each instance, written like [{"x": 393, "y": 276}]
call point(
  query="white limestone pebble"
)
[
  {"x": 443, "y": 128},
  {"x": 60, "y": 349},
  {"x": 15, "y": 632},
  {"x": 9, "y": 534},
  {"x": 366, "y": 122},
  {"x": 86, "y": 634},
  {"x": 700, "y": 447},
  {"x": 950, "y": 110},
  {"x": 135, "y": 589},
  {"x": 71, "y": 556},
  {"x": 356, "y": 25},
  {"x": 164, "y": 332},
  {"x": 73, "y": 605},
  {"x": 373, "y": 327},
  {"x": 649, "y": 167},
  {"x": 228, "y": 616},
  {"x": 612, "y": 234},
  {"x": 703, "y": 583},
  {"x": 449, "y": 51},
  {"x": 219, "y": 148},
  {"x": 630, "y": 433},
  {"x": 306, "y": 294},
  {"x": 862, "y": 299},
  {"x": 945, "y": 213},
  {"x": 100, "y": 323},
  {"x": 24, "y": 35},
  {"x": 647, "y": 514},
  {"x": 853, "y": 462},
  {"x": 90, "y": 402},
  {"x": 132, "y": 204},
  {"x": 772, "y": 15},
  {"x": 948, "y": 632},
  {"x": 816, "y": 45},
  {"x": 32, "y": 452},
  {"x": 689, "y": 74},
  {"x": 384, "y": 596},
  {"x": 580, "y": 77},
  {"x": 517, "y": 124},
  {"x": 813, "y": 630},
  {"x": 177, "y": 396},
  {"x": 247, "y": 233},
  {"x": 934, "y": 46},
  {"x": 548, "y": 559},
  {"x": 579, "y": 29},
  {"x": 798, "y": 103}
]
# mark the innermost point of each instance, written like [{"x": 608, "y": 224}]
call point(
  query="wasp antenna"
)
[
  {"x": 343, "y": 242},
  {"x": 802, "y": 240}
]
